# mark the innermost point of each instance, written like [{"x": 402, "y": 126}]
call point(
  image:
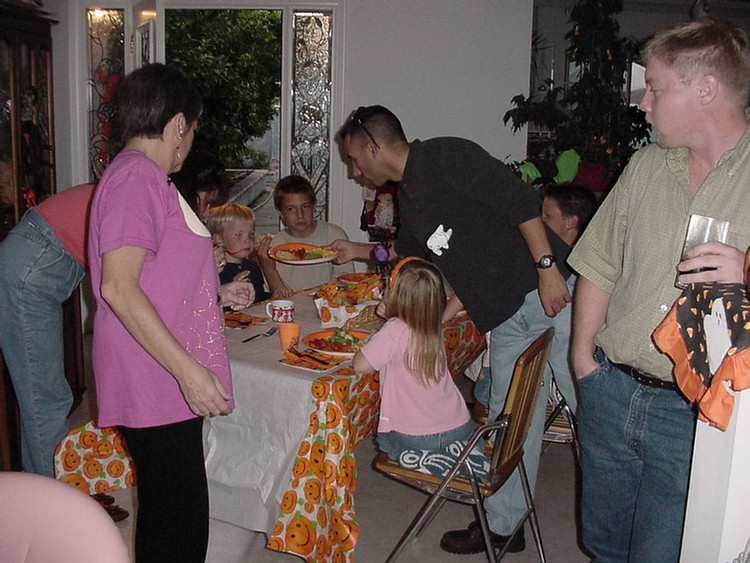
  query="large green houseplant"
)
[{"x": 592, "y": 115}]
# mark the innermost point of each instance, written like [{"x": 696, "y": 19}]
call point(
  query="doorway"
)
[{"x": 288, "y": 129}]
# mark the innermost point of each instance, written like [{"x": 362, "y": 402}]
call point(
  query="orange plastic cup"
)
[{"x": 289, "y": 335}]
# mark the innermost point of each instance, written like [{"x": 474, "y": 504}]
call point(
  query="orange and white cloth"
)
[
  {"x": 94, "y": 460},
  {"x": 707, "y": 336}
]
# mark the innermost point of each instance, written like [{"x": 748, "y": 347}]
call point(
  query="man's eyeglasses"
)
[{"x": 357, "y": 120}]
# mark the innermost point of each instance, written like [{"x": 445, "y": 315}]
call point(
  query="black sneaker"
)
[{"x": 470, "y": 540}]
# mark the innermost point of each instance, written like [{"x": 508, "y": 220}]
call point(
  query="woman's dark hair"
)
[
  {"x": 202, "y": 171},
  {"x": 152, "y": 95},
  {"x": 292, "y": 184}
]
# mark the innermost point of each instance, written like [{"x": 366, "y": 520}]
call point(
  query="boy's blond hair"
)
[{"x": 219, "y": 217}]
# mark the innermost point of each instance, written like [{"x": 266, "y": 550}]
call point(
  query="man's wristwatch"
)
[{"x": 545, "y": 262}]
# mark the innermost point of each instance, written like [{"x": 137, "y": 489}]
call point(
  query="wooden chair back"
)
[{"x": 520, "y": 404}]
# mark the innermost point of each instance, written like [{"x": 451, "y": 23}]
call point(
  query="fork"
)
[
  {"x": 270, "y": 332},
  {"x": 299, "y": 354}
]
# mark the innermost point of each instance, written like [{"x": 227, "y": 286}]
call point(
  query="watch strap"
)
[{"x": 545, "y": 262}]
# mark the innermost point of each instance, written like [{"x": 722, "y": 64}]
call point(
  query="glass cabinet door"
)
[
  {"x": 27, "y": 167},
  {"x": 35, "y": 164},
  {"x": 7, "y": 183}
]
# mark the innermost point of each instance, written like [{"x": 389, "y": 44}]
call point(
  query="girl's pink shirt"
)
[
  {"x": 406, "y": 405},
  {"x": 135, "y": 205}
]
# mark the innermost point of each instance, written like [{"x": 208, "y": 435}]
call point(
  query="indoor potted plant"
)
[{"x": 592, "y": 115}]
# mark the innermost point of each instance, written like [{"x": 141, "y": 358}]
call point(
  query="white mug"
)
[{"x": 280, "y": 311}]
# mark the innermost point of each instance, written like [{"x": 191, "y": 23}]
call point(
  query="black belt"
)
[{"x": 645, "y": 379}]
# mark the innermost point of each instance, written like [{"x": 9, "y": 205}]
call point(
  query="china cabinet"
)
[{"x": 27, "y": 176}]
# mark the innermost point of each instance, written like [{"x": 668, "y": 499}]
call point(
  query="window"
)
[{"x": 106, "y": 55}]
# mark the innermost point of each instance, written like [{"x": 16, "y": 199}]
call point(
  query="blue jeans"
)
[
  {"x": 508, "y": 341},
  {"x": 393, "y": 443},
  {"x": 36, "y": 275},
  {"x": 637, "y": 443}
]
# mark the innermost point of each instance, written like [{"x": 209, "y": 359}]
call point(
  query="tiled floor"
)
[{"x": 384, "y": 508}]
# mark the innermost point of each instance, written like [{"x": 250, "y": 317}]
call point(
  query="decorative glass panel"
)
[
  {"x": 311, "y": 95},
  {"x": 106, "y": 55}
]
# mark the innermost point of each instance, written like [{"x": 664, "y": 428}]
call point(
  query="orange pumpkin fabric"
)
[
  {"x": 94, "y": 460},
  {"x": 316, "y": 519},
  {"x": 681, "y": 335}
]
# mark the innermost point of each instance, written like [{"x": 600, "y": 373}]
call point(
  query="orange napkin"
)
[
  {"x": 233, "y": 319},
  {"x": 326, "y": 361}
]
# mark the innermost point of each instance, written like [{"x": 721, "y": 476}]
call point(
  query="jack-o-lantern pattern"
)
[
  {"x": 463, "y": 343},
  {"x": 316, "y": 515},
  {"x": 94, "y": 460}
]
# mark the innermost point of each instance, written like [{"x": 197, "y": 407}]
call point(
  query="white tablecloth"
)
[{"x": 249, "y": 453}]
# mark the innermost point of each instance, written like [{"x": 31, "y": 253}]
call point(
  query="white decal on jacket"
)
[{"x": 439, "y": 240}]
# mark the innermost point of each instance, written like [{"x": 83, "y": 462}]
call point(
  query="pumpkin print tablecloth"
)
[
  {"x": 316, "y": 517},
  {"x": 283, "y": 461}
]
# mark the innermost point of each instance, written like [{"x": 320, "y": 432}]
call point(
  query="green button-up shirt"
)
[{"x": 632, "y": 245}]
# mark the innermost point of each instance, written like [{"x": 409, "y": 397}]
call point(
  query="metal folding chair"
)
[{"x": 560, "y": 423}]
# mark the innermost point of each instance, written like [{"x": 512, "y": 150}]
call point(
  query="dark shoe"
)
[
  {"x": 470, "y": 540},
  {"x": 116, "y": 512},
  {"x": 103, "y": 499}
]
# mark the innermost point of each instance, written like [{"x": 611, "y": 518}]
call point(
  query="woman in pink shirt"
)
[
  {"x": 424, "y": 422},
  {"x": 159, "y": 354}
]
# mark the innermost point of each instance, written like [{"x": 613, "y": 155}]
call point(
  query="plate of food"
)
[
  {"x": 301, "y": 253},
  {"x": 336, "y": 341}
]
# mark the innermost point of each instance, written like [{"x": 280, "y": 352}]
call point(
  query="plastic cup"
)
[
  {"x": 701, "y": 229},
  {"x": 289, "y": 335}
]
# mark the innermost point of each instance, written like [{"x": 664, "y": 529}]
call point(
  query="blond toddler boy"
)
[{"x": 232, "y": 227}]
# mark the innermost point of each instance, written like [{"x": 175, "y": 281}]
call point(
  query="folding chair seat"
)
[{"x": 504, "y": 439}]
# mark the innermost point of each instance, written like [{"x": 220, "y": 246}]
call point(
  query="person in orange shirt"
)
[{"x": 42, "y": 260}]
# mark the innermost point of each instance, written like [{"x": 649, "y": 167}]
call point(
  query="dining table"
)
[{"x": 283, "y": 461}]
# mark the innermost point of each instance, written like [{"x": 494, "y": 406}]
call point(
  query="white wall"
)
[{"x": 446, "y": 67}]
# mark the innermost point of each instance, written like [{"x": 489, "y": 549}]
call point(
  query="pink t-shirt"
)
[
  {"x": 136, "y": 206},
  {"x": 67, "y": 213},
  {"x": 406, "y": 405}
]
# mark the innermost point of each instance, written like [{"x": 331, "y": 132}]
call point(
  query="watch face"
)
[{"x": 545, "y": 262}]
